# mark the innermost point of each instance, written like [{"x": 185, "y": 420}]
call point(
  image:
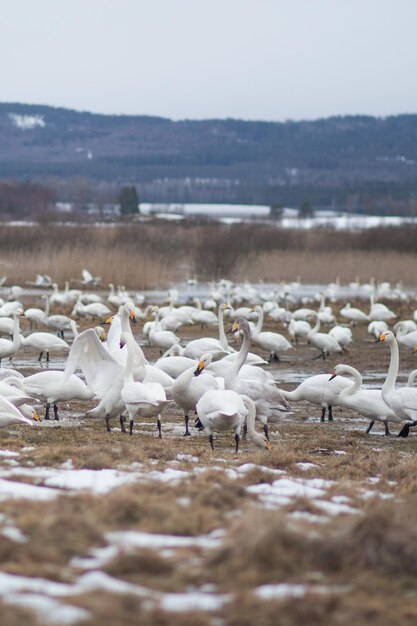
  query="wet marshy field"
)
[{"x": 107, "y": 528}]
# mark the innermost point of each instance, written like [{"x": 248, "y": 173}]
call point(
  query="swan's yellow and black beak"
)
[
  {"x": 234, "y": 329},
  {"x": 333, "y": 376},
  {"x": 36, "y": 417},
  {"x": 132, "y": 317},
  {"x": 414, "y": 349},
  {"x": 380, "y": 338},
  {"x": 200, "y": 368},
  {"x": 102, "y": 336},
  {"x": 268, "y": 446},
  {"x": 109, "y": 320}
]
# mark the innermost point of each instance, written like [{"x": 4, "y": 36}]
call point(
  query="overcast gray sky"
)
[{"x": 250, "y": 59}]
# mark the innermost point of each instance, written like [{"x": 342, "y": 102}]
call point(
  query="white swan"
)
[
  {"x": 269, "y": 401},
  {"x": 54, "y": 322},
  {"x": 318, "y": 390},
  {"x": 96, "y": 309},
  {"x": 406, "y": 339},
  {"x": 322, "y": 341},
  {"x": 202, "y": 317},
  {"x": 172, "y": 363},
  {"x": 274, "y": 343},
  {"x": 188, "y": 388},
  {"x": 44, "y": 342},
  {"x": 353, "y": 314},
  {"x": 102, "y": 372},
  {"x": 379, "y": 311},
  {"x": 9, "y": 414},
  {"x": 343, "y": 336},
  {"x": 298, "y": 328},
  {"x": 377, "y": 327},
  {"x": 402, "y": 401},
  {"x": 227, "y": 410},
  {"x": 49, "y": 388},
  {"x": 162, "y": 339},
  {"x": 9, "y": 348},
  {"x": 366, "y": 402},
  {"x": 143, "y": 399}
]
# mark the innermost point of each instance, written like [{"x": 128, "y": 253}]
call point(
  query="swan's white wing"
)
[
  {"x": 100, "y": 368},
  {"x": 87, "y": 276}
]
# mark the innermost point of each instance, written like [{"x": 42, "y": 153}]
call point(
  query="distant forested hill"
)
[{"x": 353, "y": 162}]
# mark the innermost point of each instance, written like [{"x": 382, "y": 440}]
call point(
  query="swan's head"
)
[
  {"x": 205, "y": 360},
  {"x": 225, "y": 307},
  {"x": 339, "y": 369},
  {"x": 35, "y": 416},
  {"x": 239, "y": 325},
  {"x": 108, "y": 320},
  {"x": 20, "y": 313},
  {"x": 131, "y": 312},
  {"x": 101, "y": 333},
  {"x": 262, "y": 442},
  {"x": 414, "y": 349},
  {"x": 387, "y": 336}
]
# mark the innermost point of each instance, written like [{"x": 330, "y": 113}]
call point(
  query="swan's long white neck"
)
[
  {"x": 260, "y": 321},
  {"x": 222, "y": 334},
  {"x": 316, "y": 327},
  {"x": 46, "y": 306},
  {"x": 389, "y": 384},
  {"x": 16, "y": 331},
  {"x": 250, "y": 421},
  {"x": 241, "y": 357},
  {"x": 349, "y": 391},
  {"x": 128, "y": 373}
]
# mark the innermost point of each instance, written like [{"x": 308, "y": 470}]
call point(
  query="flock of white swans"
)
[{"x": 228, "y": 389}]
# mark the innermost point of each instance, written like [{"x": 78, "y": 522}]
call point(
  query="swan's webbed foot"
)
[
  {"x": 237, "y": 438},
  {"x": 211, "y": 441},
  {"x": 122, "y": 424},
  {"x": 368, "y": 430},
  {"x": 56, "y": 412},
  {"x": 108, "y": 429}
]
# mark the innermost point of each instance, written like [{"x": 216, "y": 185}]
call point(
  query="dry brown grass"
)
[{"x": 145, "y": 256}]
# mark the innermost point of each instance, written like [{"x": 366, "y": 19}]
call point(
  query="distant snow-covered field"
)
[{"x": 230, "y": 213}]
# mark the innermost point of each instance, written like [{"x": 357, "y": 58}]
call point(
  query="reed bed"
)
[{"x": 157, "y": 254}]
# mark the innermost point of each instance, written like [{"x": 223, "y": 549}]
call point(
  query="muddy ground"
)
[{"x": 104, "y": 528}]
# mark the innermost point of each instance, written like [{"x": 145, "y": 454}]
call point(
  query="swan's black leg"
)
[
  {"x": 330, "y": 409},
  {"x": 323, "y": 413},
  {"x": 47, "y": 411},
  {"x": 266, "y": 431},
  {"x": 237, "y": 443},
  {"x": 47, "y": 357},
  {"x": 56, "y": 411},
  {"x": 130, "y": 427},
  {"x": 40, "y": 357},
  {"x": 187, "y": 432},
  {"x": 387, "y": 432},
  {"x": 368, "y": 430},
  {"x": 211, "y": 441},
  {"x": 198, "y": 424},
  {"x": 406, "y": 429},
  {"x": 158, "y": 423},
  {"x": 108, "y": 424},
  {"x": 122, "y": 424}
]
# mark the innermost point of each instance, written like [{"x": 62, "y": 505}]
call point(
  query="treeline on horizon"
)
[
  {"x": 31, "y": 200},
  {"x": 355, "y": 163}
]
